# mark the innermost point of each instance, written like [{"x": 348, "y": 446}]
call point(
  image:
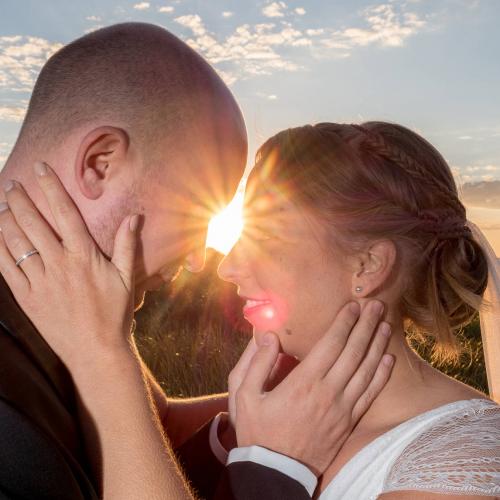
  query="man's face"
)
[{"x": 177, "y": 213}]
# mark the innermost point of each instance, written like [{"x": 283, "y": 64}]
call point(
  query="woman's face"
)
[{"x": 293, "y": 283}]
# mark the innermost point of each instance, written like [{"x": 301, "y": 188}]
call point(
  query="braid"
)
[{"x": 376, "y": 143}]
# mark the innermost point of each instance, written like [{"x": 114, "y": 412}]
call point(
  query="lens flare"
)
[
  {"x": 269, "y": 313},
  {"x": 225, "y": 228}
]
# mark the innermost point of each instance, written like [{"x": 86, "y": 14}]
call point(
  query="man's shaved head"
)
[
  {"x": 134, "y": 74},
  {"x": 135, "y": 121}
]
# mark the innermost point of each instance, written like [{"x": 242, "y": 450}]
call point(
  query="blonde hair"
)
[{"x": 381, "y": 180}]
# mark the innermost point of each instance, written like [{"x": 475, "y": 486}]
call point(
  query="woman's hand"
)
[
  {"x": 83, "y": 305},
  {"x": 80, "y": 302},
  {"x": 310, "y": 414}
]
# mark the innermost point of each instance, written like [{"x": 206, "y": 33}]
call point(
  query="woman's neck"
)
[{"x": 413, "y": 388}]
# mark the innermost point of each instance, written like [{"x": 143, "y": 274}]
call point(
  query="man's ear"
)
[
  {"x": 373, "y": 268},
  {"x": 100, "y": 157}
]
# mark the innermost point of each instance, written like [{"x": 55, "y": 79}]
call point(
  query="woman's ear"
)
[
  {"x": 373, "y": 268},
  {"x": 101, "y": 156}
]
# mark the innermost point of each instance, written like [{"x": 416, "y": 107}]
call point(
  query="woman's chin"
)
[{"x": 285, "y": 347}]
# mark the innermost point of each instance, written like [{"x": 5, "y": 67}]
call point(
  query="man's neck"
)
[
  {"x": 15, "y": 169},
  {"x": 20, "y": 168}
]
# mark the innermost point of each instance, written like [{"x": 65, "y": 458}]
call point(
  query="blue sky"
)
[{"x": 432, "y": 65}]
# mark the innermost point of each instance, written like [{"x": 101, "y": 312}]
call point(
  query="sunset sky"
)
[{"x": 431, "y": 65}]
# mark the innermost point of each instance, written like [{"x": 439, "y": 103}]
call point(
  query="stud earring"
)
[{"x": 359, "y": 289}]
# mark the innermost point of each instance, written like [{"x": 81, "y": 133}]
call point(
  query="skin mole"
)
[{"x": 288, "y": 331}]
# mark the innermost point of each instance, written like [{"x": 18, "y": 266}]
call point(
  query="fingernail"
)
[
  {"x": 9, "y": 186},
  {"x": 354, "y": 307},
  {"x": 3, "y": 206},
  {"x": 268, "y": 339},
  {"x": 387, "y": 359},
  {"x": 385, "y": 329},
  {"x": 40, "y": 168},
  {"x": 134, "y": 222},
  {"x": 377, "y": 307}
]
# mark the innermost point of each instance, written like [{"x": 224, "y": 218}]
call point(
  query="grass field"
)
[{"x": 193, "y": 333}]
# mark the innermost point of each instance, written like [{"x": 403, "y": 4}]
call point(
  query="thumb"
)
[
  {"x": 261, "y": 365},
  {"x": 124, "y": 249}
]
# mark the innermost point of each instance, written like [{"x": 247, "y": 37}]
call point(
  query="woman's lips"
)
[{"x": 263, "y": 308}]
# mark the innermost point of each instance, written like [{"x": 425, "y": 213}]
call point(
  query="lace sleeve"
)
[{"x": 459, "y": 454}]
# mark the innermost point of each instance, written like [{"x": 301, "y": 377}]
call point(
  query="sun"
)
[{"x": 225, "y": 227}]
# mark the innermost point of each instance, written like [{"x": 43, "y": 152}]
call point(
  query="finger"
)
[
  {"x": 261, "y": 366},
  {"x": 355, "y": 349},
  {"x": 16, "y": 280},
  {"x": 124, "y": 248},
  {"x": 283, "y": 367},
  {"x": 326, "y": 351},
  {"x": 381, "y": 377},
  {"x": 366, "y": 371},
  {"x": 68, "y": 220},
  {"x": 31, "y": 222},
  {"x": 18, "y": 245},
  {"x": 237, "y": 375},
  {"x": 240, "y": 370}
]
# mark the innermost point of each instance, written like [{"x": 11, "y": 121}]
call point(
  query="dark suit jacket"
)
[
  {"x": 239, "y": 480},
  {"x": 41, "y": 448},
  {"x": 41, "y": 445}
]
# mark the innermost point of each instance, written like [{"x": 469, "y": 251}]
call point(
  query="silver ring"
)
[{"x": 25, "y": 256}]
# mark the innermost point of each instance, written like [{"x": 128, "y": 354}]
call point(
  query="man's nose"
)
[{"x": 195, "y": 260}]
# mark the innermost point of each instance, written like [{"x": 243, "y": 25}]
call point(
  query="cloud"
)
[
  {"x": 315, "y": 32},
  {"x": 249, "y": 50},
  {"x": 142, "y": 6},
  {"x": 274, "y": 9},
  {"x": 263, "y": 48},
  {"x": 12, "y": 113},
  {"x": 93, "y": 18},
  {"x": 300, "y": 11},
  {"x": 388, "y": 26},
  {"x": 269, "y": 97},
  {"x": 94, "y": 28},
  {"x": 193, "y": 22},
  {"x": 5, "y": 149},
  {"x": 227, "y": 14},
  {"x": 167, "y": 9},
  {"x": 484, "y": 194},
  {"x": 21, "y": 58}
]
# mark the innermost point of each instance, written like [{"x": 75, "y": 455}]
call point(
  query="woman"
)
[{"x": 342, "y": 212}]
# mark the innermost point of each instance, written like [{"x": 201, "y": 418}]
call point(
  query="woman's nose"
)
[{"x": 233, "y": 266}]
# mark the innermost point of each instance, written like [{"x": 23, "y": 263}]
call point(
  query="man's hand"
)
[{"x": 310, "y": 414}]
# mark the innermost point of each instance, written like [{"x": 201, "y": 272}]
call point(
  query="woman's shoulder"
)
[{"x": 459, "y": 451}]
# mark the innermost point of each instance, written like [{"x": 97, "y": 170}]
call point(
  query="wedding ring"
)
[{"x": 26, "y": 256}]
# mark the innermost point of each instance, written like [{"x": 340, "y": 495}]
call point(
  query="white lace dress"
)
[{"x": 451, "y": 449}]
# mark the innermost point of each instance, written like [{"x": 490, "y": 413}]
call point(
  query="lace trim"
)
[{"x": 458, "y": 454}]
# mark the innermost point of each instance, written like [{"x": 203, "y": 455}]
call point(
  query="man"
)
[{"x": 132, "y": 121}]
